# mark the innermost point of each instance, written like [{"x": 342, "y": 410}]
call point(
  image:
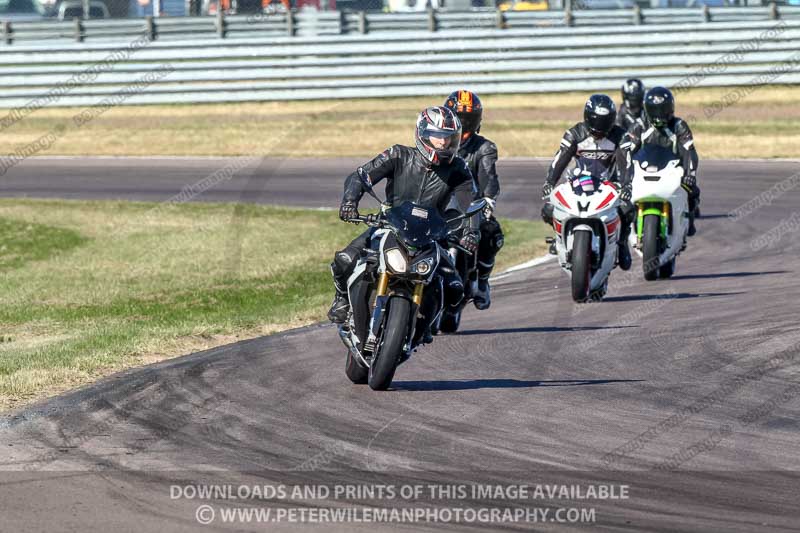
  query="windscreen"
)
[
  {"x": 416, "y": 225},
  {"x": 652, "y": 155}
]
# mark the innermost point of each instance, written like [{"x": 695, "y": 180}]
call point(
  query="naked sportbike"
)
[{"x": 395, "y": 291}]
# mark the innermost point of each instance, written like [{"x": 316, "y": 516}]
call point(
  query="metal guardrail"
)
[
  {"x": 335, "y": 23},
  {"x": 350, "y": 66}
]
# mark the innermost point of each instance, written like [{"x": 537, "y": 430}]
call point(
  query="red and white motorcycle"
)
[{"x": 587, "y": 229}]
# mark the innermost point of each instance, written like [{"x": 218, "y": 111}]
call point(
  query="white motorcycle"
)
[
  {"x": 587, "y": 229},
  {"x": 662, "y": 206}
]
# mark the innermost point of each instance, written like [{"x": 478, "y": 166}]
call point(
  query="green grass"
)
[
  {"x": 89, "y": 288},
  {"x": 22, "y": 242}
]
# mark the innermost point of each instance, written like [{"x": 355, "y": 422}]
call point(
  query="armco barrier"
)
[{"x": 405, "y": 63}]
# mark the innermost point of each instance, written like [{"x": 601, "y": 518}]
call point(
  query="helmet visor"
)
[
  {"x": 445, "y": 142},
  {"x": 470, "y": 122},
  {"x": 634, "y": 103},
  {"x": 600, "y": 125},
  {"x": 657, "y": 115}
]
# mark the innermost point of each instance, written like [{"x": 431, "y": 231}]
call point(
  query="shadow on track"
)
[
  {"x": 471, "y": 384},
  {"x": 731, "y": 275},
  {"x": 668, "y": 296},
  {"x": 549, "y": 329},
  {"x": 711, "y": 217}
]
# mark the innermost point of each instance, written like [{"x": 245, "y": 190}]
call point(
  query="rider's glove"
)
[
  {"x": 688, "y": 182},
  {"x": 470, "y": 242},
  {"x": 348, "y": 212},
  {"x": 547, "y": 190},
  {"x": 488, "y": 211},
  {"x": 625, "y": 192}
]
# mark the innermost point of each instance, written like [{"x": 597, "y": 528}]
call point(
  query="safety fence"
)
[{"x": 402, "y": 64}]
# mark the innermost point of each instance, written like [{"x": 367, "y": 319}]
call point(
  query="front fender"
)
[{"x": 648, "y": 208}]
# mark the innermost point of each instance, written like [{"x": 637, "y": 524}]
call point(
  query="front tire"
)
[
  {"x": 581, "y": 265},
  {"x": 390, "y": 349},
  {"x": 650, "y": 231}
]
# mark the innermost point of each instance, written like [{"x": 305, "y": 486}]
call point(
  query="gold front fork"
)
[
  {"x": 383, "y": 284},
  {"x": 417, "y": 298}
]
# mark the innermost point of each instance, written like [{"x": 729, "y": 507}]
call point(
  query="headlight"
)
[
  {"x": 422, "y": 267},
  {"x": 396, "y": 260}
]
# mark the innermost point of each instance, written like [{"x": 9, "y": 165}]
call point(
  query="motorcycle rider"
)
[
  {"x": 631, "y": 112},
  {"x": 661, "y": 127},
  {"x": 428, "y": 175},
  {"x": 598, "y": 145},
  {"x": 481, "y": 156}
]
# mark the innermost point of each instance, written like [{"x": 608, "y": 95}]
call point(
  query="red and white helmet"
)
[{"x": 438, "y": 134}]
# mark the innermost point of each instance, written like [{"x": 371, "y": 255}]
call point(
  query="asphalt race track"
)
[
  {"x": 684, "y": 390},
  {"x": 296, "y": 182}
]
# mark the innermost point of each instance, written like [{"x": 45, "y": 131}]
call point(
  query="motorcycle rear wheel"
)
[
  {"x": 451, "y": 319},
  {"x": 355, "y": 370}
]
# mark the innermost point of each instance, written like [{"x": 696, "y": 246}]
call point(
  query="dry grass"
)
[{"x": 764, "y": 124}]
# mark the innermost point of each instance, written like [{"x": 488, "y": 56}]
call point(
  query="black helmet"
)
[
  {"x": 599, "y": 114},
  {"x": 469, "y": 109},
  {"x": 659, "y": 106},
  {"x": 442, "y": 124},
  {"x": 633, "y": 94}
]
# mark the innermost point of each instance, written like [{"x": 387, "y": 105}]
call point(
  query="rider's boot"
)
[
  {"x": 482, "y": 296},
  {"x": 339, "y": 309},
  {"x": 623, "y": 250},
  {"x": 692, "y": 229},
  {"x": 341, "y": 304},
  {"x": 624, "y": 255}
]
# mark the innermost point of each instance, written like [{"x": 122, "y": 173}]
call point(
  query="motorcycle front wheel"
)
[
  {"x": 390, "y": 349},
  {"x": 581, "y": 265},
  {"x": 650, "y": 262}
]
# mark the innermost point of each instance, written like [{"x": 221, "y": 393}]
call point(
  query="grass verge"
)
[
  {"x": 93, "y": 287},
  {"x": 762, "y": 124}
]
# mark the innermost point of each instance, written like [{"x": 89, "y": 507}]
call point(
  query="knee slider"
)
[{"x": 343, "y": 261}]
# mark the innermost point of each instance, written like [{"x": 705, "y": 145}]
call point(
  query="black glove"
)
[
  {"x": 348, "y": 212},
  {"x": 470, "y": 242},
  {"x": 547, "y": 190},
  {"x": 625, "y": 192}
]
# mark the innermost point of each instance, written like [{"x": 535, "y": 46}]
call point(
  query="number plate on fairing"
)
[{"x": 419, "y": 213}]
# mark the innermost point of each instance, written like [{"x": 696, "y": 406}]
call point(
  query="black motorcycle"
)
[{"x": 395, "y": 292}]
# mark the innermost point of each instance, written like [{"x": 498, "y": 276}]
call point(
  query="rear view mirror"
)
[
  {"x": 364, "y": 177},
  {"x": 475, "y": 207}
]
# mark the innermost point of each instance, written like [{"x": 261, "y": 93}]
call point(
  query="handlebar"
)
[
  {"x": 372, "y": 220},
  {"x": 375, "y": 220}
]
